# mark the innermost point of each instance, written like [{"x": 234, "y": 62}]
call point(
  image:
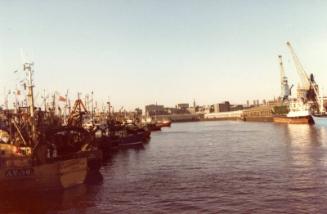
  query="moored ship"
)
[
  {"x": 164, "y": 123},
  {"x": 19, "y": 171},
  {"x": 299, "y": 114},
  {"x": 294, "y": 120},
  {"x": 36, "y": 152}
]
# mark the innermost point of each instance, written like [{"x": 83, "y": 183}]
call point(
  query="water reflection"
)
[
  {"x": 214, "y": 167},
  {"x": 42, "y": 202},
  {"x": 302, "y": 134},
  {"x": 38, "y": 201},
  {"x": 305, "y": 144},
  {"x": 94, "y": 178},
  {"x": 305, "y": 174}
]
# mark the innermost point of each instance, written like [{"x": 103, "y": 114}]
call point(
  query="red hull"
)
[
  {"x": 164, "y": 124},
  {"x": 293, "y": 120}
]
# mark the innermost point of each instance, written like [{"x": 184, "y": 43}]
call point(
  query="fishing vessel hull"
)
[
  {"x": 153, "y": 127},
  {"x": 164, "y": 124},
  {"x": 18, "y": 175},
  {"x": 294, "y": 120},
  {"x": 134, "y": 139}
]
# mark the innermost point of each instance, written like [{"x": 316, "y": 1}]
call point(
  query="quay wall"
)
[
  {"x": 256, "y": 114},
  {"x": 259, "y": 114},
  {"x": 179, "y": 117},
  {"x": 221, "y": 119},
  {"x": 230, "y": 115}
]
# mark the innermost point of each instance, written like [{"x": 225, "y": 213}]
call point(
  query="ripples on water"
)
[{"x": 203, "y": 167}]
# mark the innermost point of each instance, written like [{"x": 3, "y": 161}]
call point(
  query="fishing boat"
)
[
  {"x": 164, "y": 123},
  {"x": 133, "y": 136},
  {"x": 70, "y": 140},
  {"x": 31, "y": 158},
  {"x": 114, "y": 135},
  {"x": 153, "y": 126},
  {"x": 25, "y": 168},
  {"x": 299, "y": 113}
]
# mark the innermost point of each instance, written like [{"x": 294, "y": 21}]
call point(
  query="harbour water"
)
[{"x": 202, "y": 167}]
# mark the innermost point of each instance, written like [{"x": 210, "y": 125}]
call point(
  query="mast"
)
[
  {"x": 109, "y": 110},
  {"x": 92, "y": 106},
  {"x": 6, "y": 99},
  {"x": 86, "y": 102},
  {"x": 54, "y": 103},
  {"x": 66, "y": 106},
  {"x": 28, "y": 68},
  {"x": 16, "y": 99},
  {"x": 44, "y": 101}
]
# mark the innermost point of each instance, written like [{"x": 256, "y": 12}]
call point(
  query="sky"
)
[{"x": 137, "y": 52}]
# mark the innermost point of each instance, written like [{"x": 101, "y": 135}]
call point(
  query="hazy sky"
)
[{"x": 144, "y": 51}]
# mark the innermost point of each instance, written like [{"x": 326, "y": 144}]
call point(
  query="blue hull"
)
[{"x": 320, "y": 120}]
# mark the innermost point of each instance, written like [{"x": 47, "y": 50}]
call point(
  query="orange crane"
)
[{"x": 76, "y": 116}]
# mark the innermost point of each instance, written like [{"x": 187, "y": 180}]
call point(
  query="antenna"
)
[
  {"x": 24, "y": 57},
  {"x": 28, "y": 68}
]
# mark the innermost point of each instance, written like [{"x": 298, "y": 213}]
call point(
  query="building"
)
[
  {"x": 264, "y": 102},
  {"x": 222, "y": 107},
  {"x": 154, "y": 109},
  {"x": 236, "y": 107},
  {"x": 183, "y": 106},
  {"x": 191, "y": 110},
  {"x": 171, "y": 110}
]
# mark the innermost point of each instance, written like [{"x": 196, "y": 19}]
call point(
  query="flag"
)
[{"x": 62, "y": 99}]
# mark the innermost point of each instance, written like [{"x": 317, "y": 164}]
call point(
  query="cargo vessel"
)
[
  {"x": 299, "y": 114},
  {"x": 294, "y": 120}
]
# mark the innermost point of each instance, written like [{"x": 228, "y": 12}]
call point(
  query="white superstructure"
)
[{"x": 298, "y": 109}]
